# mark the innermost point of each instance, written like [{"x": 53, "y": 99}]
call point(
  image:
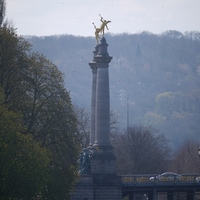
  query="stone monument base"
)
[
  {"x": 98, "y": 187},
  {"x": 103, "y": 160}
]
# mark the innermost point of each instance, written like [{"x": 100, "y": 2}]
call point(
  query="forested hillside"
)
[{"x": 154, "y": 79}]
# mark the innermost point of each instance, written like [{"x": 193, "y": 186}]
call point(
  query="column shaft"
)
[
  {"x": 93, "y": 106},
  {"x": 102, "y": 108}
]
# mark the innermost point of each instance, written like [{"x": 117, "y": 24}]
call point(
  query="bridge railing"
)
[{"x": 156, "y": 179}]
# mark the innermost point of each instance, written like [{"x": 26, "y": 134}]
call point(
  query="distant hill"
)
[{"x": 155, "y": 77}]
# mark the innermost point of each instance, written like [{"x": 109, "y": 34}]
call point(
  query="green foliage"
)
[
  {"x": 13, "y": 64},
  {"x": 2, "y": 11},
  {"x": 34, "y": 87},
  {"x": 24, "y": 170},
  {"x": 154, "y": 119},
  {"x": 164, "y": 104}
]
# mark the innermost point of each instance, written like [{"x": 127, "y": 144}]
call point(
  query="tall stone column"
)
[
  {"x": 103, "y": 159},
  {"x": 102, "y": 119},
  {"x": 102, "y": 182},
  {"x": 93, "y": 66}
]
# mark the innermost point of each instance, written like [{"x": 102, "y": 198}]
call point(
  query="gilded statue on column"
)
[{"x": 99, "y": 32}]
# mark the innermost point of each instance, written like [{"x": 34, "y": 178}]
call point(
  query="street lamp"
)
[{"x": 199, "y": 151}]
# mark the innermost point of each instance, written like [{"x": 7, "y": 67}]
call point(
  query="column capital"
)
[
  {"x": 102, "y": 55},
  {"x": 93, "y": 66}
]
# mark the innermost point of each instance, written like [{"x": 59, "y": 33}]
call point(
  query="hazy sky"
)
[{"x": 51, "y": 17}]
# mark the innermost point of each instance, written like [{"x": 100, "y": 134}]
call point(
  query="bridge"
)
[{"x": 166, "y": 186}]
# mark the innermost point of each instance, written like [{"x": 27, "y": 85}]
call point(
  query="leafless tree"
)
[
  {"x": 83, "y": 125},
  {"x": 139, "y": 150},
  {"x": 186, "y": 159}
]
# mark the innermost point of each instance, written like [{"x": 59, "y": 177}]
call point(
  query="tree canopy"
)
[
  {"x": 34, "y": 87},
  {"x": 24, "y": 170}
]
